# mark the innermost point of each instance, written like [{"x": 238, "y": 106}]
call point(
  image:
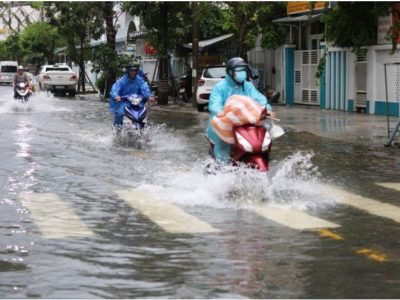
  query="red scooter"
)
[{"x": 252, "y": 146}]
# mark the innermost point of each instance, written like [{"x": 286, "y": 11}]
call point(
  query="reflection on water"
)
[{"x": 66, "y": 147}]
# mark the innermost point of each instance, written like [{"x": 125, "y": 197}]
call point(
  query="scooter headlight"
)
[
  {"x": 266, "y": 142},
  {"x": 244, "y": 143},
  {"x": 22, "y": 85},
  {"x": 135, "y": 101}
]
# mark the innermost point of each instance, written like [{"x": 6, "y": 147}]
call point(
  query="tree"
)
[
  {"x": 38, "y": 42},
  {"x": 111, "y": 64},
  {"x": 168, "y": 23},
  {"x": 11, "y": 48},
  {"x": 354, "y": 24},
  {"x": 78, "y": 22},
  {"x": 248, "y": 20},
  {"x": 110, "y": 17},
  {"x": 240, "y": 18},
  {"x": 211, "y": 19},
  {"x": 272, "y": 34}
]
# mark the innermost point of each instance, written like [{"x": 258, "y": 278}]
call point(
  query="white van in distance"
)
[{"x": 7, "y": 71}]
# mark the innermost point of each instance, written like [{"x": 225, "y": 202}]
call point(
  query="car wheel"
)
[
  {"x": 72, "y": 93},
  {"x": 200, "y": 107}
]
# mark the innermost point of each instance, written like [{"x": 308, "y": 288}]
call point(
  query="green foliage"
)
[
  {"x": 272, "y": 34},
  {"x": 211, "y": 20},
  {"x": 77, "y": 22},
  {"x": 38, "y": 41},
  {"x": 10, "y": 49},
  {"x": 101, "y": 84},
  {"x": 248, "y": 20},
  {"x": 321, "y": 66},
  {"x": 110, "y": 63},
  {"x": 240, "y": 19},
  {"x": 168, "y": 22},
  {"x": 393, "y": 35},
  {"x": 354, "y": 24}
]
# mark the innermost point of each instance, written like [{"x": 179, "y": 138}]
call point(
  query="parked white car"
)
[
  {"x": 59, "y": 79},
  {"x": 8, "y": 69},
  {"x": 210, "y": 76}
]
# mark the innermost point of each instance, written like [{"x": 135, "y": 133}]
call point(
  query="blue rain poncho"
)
[{"x": 219, "y": 94}]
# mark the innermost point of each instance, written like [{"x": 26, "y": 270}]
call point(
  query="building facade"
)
[{"x": 367, "y": 81}]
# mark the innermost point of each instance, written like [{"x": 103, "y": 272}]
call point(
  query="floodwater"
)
[{"x": 59, "y": 155}]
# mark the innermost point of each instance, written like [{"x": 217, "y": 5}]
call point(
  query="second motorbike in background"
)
[
  {"x": 185, "y": 87},
  {"x": 23, "y": 92}
]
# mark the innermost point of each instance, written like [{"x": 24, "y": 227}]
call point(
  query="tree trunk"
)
[
  {"x": 163, "y": 81},
  {"x": 163, "y": 87},
  {"x": 82, "y": 67},
  {"x": 242, "y": 40},
  {"x": 195, "y": 48},
  {"x": 108, "y": 16},
  {"x": 111, "y": 32}
]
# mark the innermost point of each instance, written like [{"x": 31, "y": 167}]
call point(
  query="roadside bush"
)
[{"x": 101, "y": 84}]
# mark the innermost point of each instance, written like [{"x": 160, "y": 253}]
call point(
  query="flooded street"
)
[{"x": 84, "y": 217}]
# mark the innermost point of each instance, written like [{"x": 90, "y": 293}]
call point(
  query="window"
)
[
  {"x": 216, "y": 72},
  {"x": 52, "y": 69},
  {"x": 9, "y": 69}
]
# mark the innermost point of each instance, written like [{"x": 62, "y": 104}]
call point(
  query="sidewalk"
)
[{"x": 353, "y": 127}]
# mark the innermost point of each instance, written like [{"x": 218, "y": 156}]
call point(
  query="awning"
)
[
  {"x": 301, "y": 18},
  {"x": 210, "y": 42}
]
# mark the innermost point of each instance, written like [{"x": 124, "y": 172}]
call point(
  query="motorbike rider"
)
[
  {"x": 237, "y": 82},
  {"x": 20, "y": 77},
  {"x": 130, "y": 83}
]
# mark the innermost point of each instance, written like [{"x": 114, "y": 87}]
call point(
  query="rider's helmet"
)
[
  {"x": 135, "y": 67},
  {"x": 235, "y": 64},
  {"x": 20, "y": 68}
]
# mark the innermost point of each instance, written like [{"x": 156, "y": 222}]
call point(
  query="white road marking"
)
[
  {"x": 372, "y": 206},
  {"x": 168, "y": 216},
  {"x": 292, "y": 218},
  {"x": 390, "y": 185},
  {"x": 54, "y": 218}
]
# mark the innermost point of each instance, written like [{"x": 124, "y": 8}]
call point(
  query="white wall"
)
[{"x": 378, "y": 56}]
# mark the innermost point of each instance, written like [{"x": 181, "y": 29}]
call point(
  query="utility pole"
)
[{"x": 195, "y": 51}]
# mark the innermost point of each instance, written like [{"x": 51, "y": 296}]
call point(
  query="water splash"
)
[
  {"x": 154, "y": 136},
  {"x": 38, "y": 103},
  {"x": 294, "y": 182}
]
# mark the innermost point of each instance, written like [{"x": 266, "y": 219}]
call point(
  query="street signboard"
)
[{"x": 298, "y": 7}]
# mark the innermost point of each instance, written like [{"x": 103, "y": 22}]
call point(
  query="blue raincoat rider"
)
[
  {"x": 130, "y": 83},
  {"x": 235, "y": 83}
]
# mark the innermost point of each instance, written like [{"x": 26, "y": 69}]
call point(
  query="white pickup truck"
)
[{"x": 59, "y": 79}]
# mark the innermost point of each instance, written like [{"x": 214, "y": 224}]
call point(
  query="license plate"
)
[
  {"x": 182, "y": 90},
  {"x": 59, "y": 86}
]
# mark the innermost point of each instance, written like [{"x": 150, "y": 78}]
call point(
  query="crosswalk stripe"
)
[
  {"x": 372, "y": 206},
  {"x": 390, "y": 185},
  {"x": 168, "y": 216},
  {"x": 54, "y": 217},
  {"x": 292, "y": 218},
  {"x": 329, "y": 234},
  {"x": 372, "y": 254}
]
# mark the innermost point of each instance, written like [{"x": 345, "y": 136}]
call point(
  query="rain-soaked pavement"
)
[{"x": 83, "y": 217}]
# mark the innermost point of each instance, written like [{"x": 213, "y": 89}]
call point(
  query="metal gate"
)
[
  {"x": 361, "y": 78},
  {"x": 305, "y": 83},
  {"x": 256, "y": 60}
]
